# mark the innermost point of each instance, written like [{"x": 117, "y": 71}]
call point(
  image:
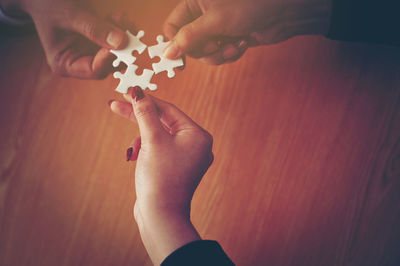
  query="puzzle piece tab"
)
[
  {"x": 130, "y": 79},
  {"x": 165, "y": 64},
  {"x": 134, "y": 44}
]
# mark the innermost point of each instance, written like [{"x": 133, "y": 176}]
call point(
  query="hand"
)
[
  {"x": 220, "y": 31},
  {"x": 173, "y": 153},
  {"x": 76, "y": 42}
]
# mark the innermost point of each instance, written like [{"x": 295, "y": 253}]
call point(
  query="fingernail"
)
[
  {"x": 137, "y": 94},
  {"x": 129, "y": 153},
  {"x": 210, "y": 48},
  {"x": 172, "y": 51},
  {"x": 115, "y": 39},
  {"x": 229, "y": 52},
  {"x": 242, "y": 45},
  {"x": 110, "y": 102}
]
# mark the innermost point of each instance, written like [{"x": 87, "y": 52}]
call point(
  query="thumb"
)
[
  {"x": 98, "y": 31},
  {"x": 195, "y": 34},
  {"x": 147, "y": 116}
]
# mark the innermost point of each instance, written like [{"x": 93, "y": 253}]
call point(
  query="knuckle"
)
[
  {"x": 206, "y": 140},
  {"x": 209, "y": 139},
  {"x": 211, "y": 158},
  {"x": 89, "y": 29},
  {"x": 136, "y": 212}
]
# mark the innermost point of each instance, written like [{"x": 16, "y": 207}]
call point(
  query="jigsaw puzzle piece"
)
[
  {"x": 165, "y": 64},
  {"x": 134, "y": 44},
  {"x": 130, "y": 79}
]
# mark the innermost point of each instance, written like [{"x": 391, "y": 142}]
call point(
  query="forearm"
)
[{"x": 163, "y": 231}]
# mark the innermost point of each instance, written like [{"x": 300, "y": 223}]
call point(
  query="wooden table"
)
[{"x": 307, "y": 148}]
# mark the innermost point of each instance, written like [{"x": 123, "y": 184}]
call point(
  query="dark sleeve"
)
[
  {"x": 375, "y": 21},
  {"x": 198, "y": 253}
]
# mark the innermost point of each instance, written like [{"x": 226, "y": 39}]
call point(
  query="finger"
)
[
  {"x": 102, "y": 63},
  {"x": 123, "y": 109},
  {"x": 89, "y": 67},
  {"x": 80, "y": 67},
  {"x": 127, "y": 97},
  {"x": 173, "y": 118},
  {"x": 211, "y": 47},
  {"x": 167, "y": 112},
  {"x": 132, "y": 153},
  {"x": 180, "y": 16},
  {"x": 227, "y": 54},
  {"x": 100, "y": 32},
  {"x": 194, "y": 35},
  {"x": 229, "y": 51},
  {"x": 214, "y": 59},
  {"x": 147, "y": 116}
]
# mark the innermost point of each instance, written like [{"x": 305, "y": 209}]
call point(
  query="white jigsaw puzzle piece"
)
[
  {"x": 130, "y": 79},
  {"x": 165, "y": 64},
  {"x": 134, "y": 44}
]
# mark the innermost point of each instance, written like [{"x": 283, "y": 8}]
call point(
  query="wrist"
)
[
  {"x": 163, "y": 230},
  {"x": 154, "y": 209},
  {"x": 156, "y": 202}
]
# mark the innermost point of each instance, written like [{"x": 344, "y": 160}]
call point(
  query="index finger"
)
[
  {"x": 90, "y": 67},
  {"x": 173, "y": 119}
]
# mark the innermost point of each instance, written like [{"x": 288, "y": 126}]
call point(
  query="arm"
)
[
  {"x": 171, "y": 239},
  {"x": 76, "y": 41},
  {"x": 366, "y": 21},
  {"x": 173, "y": 153},
  {"x": 220, "y": 31},
  {"x": 163, "y": 231}
]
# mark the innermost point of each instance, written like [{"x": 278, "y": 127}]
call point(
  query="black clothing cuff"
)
[
  {"x": 365, "y": 21},
  {"x": 198, "y": 253}
]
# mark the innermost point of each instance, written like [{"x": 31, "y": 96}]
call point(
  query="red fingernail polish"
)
[
  {"x": 129, "y": 152},
  {"x": 137, "y": 94}
]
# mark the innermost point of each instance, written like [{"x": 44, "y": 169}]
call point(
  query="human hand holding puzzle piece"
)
[{"x": 130, "y": 79}]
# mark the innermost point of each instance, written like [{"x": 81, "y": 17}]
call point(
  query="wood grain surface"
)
[{"x": 307, "y": 155}]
